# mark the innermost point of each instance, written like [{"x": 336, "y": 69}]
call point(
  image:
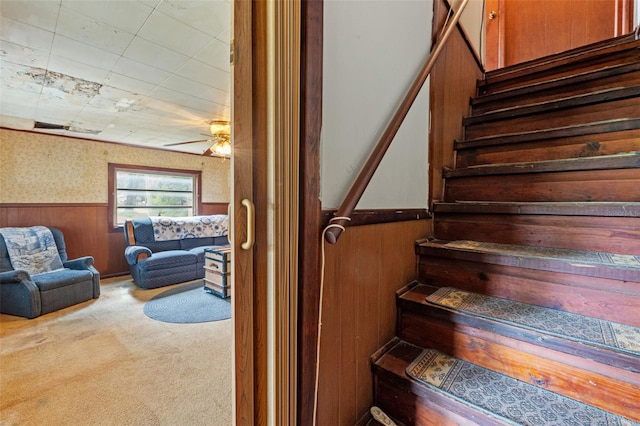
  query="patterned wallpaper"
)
[{"x": 38, "y": 168}]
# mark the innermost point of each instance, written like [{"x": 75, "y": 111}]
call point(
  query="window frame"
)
[{"x": 112, "y": 202}]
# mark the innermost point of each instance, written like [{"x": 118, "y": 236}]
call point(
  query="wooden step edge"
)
[
  {"x": 391, "y": 367},
  {"x": 576, "y": 262},
  {"x": 571, "y": 80},
  {"x": 595, "y": 208},
  {"x": 582, "y": 100},
  {"x": 406, "y": 288},
  {"x": 579, "y": 54},
  {"x": 626, "y": 160},
  {"x": 384, "y": 349},
  {"x": 608, "y": 126},
  {"x": 606, "y": 356}
]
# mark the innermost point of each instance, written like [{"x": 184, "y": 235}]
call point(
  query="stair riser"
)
[
  {"x": 557, "y": 118},
  {"x": 620, "y": 185},
  {"x": 611, "y": 82},
  {"x": 607, "y": 234},
  {"x": 413, "y": 404},
  {"x": 598, "y": 385},
  {"x": 505, "y": 79},
  {"x": 552, "y": 149},
  {"x": 395, "y": 398},
  {"x": 596, "y": 297}
]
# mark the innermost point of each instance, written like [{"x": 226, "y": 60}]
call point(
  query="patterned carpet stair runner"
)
[
  {"x": 511, "y": 400},
  {"x": 587, "y": 330},
  {"x": 580, "y": 256},
  {"x": 627, "y": 260}
]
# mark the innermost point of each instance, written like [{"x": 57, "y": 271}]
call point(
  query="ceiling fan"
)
[{"x": 220, "y": 140}]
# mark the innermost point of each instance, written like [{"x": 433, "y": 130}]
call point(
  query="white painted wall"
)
[
  {"x": 472, "y": 23},
  {"x": 372, "y": 52}
]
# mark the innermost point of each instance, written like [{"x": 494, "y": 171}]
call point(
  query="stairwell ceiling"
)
[{"x": 145, "y": 73}]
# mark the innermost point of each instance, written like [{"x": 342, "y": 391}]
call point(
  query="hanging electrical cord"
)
[{"x": 315, "y": 392}]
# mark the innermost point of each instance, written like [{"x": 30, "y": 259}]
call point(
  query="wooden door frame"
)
[
  {"x": 249, "y": 118},
  {"x": 310, "y": 206},
  {"x": 251, "y": 134},
  {"x": 495, "y": 32}
]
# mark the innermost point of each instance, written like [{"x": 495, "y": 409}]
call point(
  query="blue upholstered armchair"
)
[{"x": 31, "y": 295}]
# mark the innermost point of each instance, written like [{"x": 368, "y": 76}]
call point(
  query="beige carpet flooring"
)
[{"x": 104, "y": 362}]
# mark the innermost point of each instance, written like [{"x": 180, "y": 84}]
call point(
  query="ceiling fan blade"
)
[
  {"x": 208, "y": 152},
  {"x": 184, "y": 143}
]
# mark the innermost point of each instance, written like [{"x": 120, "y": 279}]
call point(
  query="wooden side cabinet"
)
[{"x": 217, "y": 271}]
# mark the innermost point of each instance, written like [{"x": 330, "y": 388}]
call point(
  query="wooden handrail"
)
[{"x": 360, "y": 184}]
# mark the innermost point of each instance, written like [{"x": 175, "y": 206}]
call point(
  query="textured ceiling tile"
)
[
  {"x": 90, "y": 87},
  {"x": 80, "y": 52},
  {"x": 17, "y": 103},
  {"x": 41, "y": 14},
  {"x": 21, "y": 77},
  {"x": 56, "y": 110},
  {"x": 76, "y": 69},
  {"x": 25, "y": 35},
  {"x": 192, "y": 88},
  {"x": 173, "y": 34},
  {"x": 129, "y": 84},
  {"x": 149, "y": 53},
  {"x": 206, "y": 74},
  {"x": 112, "y": 100},
  {"x": 88, "y": 30},
  {"x": 210, "y": 17},
  {"x": 181, "y": 99},
  {"x": 17, "y": 54},
  {"x": 225, "y": 36},
  {"x": 216, "y": 54},
  {"x": 140, "y": 71},
  {"x": 124, "y": 14}
]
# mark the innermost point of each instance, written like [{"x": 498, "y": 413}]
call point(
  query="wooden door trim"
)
[
  {"x": 497, "y": 38},
  {"x": 310, "y": 207},
  {"x": 249, "y": 145}
]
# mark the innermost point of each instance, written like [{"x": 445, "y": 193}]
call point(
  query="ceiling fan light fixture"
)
[
  {"x": 221, "y": 132},
  {"x": 221, "y": 148},
  {"x": 220, "y": 128}
]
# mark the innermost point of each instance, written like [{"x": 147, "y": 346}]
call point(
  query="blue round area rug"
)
[{"x": 188, "y": 303}]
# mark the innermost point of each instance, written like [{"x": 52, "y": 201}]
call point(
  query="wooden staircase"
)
[{"x": 541, "y": 209}]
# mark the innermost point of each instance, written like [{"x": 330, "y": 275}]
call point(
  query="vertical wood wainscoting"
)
[
  {"x": 453, "y": 83},
  {"x": 363, "y": 270},
  {"x": 86, "y": 229}
]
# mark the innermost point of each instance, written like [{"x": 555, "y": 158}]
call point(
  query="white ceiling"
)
[{"x": 147, "y": 72}]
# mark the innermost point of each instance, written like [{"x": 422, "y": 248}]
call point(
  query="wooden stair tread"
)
[
  {"x": 558, "y": 132},
  {"x": 549, "y": 63},
  {"x": 581, "y": 78},
  {"x": 581, "y": 262},
  {"x": 399, "y": 359},
  {"x": 389, "y": 365},
  {"x": 625, "y": 160},
  {"x": 599, "y": 97},
  {"x": 415, "y": 301},
  {"x": 532, "y": 274},
  {"x": 593, "y": 208}
]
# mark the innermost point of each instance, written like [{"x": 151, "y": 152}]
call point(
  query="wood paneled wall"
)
[
  {"x": 363, "y": 270},
  {"x": 86, "y": 230},
  {"x": 453, "y": 83}
]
